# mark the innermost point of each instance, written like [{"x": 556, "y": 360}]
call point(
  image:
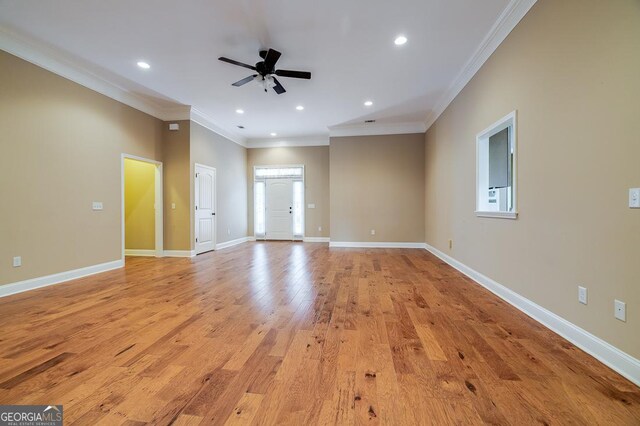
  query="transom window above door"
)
[{"x": 278, "y": 172}]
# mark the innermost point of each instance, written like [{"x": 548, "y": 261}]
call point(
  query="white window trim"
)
[{"x": 509, "y": 120}]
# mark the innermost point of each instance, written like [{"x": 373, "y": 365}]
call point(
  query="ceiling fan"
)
[{"x": 266, "y": 71}]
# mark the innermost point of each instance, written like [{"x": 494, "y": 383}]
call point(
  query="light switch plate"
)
[
  {"x": 582, "y": 295},
  {"x": 311, "y": 206},
  {"x": 17, "y": 261},
  {"x": 97, "y": 205},
  {"x": 173, "y": 206},
  {"x": 620, "y": 310},
  {"x": 634, "y": 198},
  {"x": 373, "y": 232}
]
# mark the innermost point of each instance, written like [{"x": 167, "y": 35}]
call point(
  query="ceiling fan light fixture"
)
[{"x": 266, "y": 72}]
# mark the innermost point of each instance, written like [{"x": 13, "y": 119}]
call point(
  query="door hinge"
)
[
  {"x": 197, "y": 174},
  {"x": 196, "y": 207},
  {"x": 196, "y": 240}
]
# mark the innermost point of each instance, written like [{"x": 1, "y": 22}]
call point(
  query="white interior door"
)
[
  {"x": 279, "y": 209},
  {"x": 205, "y": 197}
]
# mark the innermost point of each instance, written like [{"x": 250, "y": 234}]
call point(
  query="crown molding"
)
[
  {"x": 205, "y": 121},
  {"x": 47, "y": 58},
  {"x": 320, "y": 140},
  {"x": 374, "y": 129},
  {"x": 51, "y": 60},
  {"x": 510, "y": 17}
]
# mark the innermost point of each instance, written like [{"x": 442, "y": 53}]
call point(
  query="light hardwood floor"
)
[{"x": 292, "y": 333}]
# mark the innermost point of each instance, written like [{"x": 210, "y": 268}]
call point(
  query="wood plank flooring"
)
[{"x": 292, "y": 333}]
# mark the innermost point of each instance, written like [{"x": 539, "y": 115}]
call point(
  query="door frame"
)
[
  {"x": 159, "y": 203},
  {"x": 215, "y": 206},
  {"x": 304, "y": 197}
]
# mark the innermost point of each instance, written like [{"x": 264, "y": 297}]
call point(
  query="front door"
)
[
  {"x": 205, "y": 197},
  {"x": 279, "y": 209}
]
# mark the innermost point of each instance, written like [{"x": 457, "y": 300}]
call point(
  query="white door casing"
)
[
  {"x": 205, "y": 208},
  {"x": 279, "y": 209}
]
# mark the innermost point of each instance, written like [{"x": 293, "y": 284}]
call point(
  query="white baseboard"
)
[
  {"x": 232, "y": 243},
  {"x": 606, "y": 353},
  {"x": 32, "y": 284},
  {"x": 315, "y": 239},
  {"x": 375, "y": 244},
  {"x": 135, "y": 252},
  {"x": 179, "y": 253}
]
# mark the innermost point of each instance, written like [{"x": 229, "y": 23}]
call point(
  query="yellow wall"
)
[
  {"x": 61, "y": 149},
  {"x": 316, "y": 180},
  {"x": 139, "y": 209},
  {"x": 571, "y": 69},
  {"x": 377, "y": 182}
]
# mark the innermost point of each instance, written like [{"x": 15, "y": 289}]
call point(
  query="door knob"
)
[{"x": 213, "y": 214}]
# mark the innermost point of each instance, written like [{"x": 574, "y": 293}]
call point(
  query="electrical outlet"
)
[
  {"x": 173, "y": 206},
  {"x": 373, "y": 232},
  {"x": 319, "y": 228},
  {"x": 96, "y": 205},
  {"x": 450, "y": 244},
  {"x": 620, "y": 310},
  {"x": 582, "y": 295},
  {"x": 17, "y": 261}
]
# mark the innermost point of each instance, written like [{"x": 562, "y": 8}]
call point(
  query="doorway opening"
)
[
  {"x": 278, "y": 202},
  {"x": 142, "y": 215},
  {"x": 205, "y": 222}
]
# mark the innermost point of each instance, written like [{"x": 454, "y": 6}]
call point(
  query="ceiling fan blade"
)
[
  {"x": 294, "y": 74},
  {"x": 271, "y": 59},
  {"x": 232, "y": 62},
  {"x": 278, "y": 87},
  {"x": 244, "y": 80}
]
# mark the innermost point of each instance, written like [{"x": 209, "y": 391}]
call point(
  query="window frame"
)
[{"x": 482, "y": 167}]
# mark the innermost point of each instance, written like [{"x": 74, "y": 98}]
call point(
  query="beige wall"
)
[
  {"x": 230, "y": 161},
  {"x": 570, "y": 69},
  {"x": 177, "y": 178},
  {"x": 61, "y": 145},
  {"x": 316, "y": 162},
  {"x": 139, "y": 209},
  {"x": 377, "y": 182}
]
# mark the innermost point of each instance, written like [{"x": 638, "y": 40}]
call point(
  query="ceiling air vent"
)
[
  {"x": 369, "y": 121},
  {"x": 240, "y": 127}
]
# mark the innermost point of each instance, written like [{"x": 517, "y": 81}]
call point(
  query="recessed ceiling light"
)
[
  {"x": 274, "y": 134},
  {"x": 299, "y": 107},
  {"x": 240, "y": 111},
  {"x": 400, "y": 40},
  {"x": 144, "y": 65},
  {"x": 368, "y": 103}
]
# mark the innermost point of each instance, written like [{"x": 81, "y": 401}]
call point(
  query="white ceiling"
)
[{"x": 347, "y": 45}]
